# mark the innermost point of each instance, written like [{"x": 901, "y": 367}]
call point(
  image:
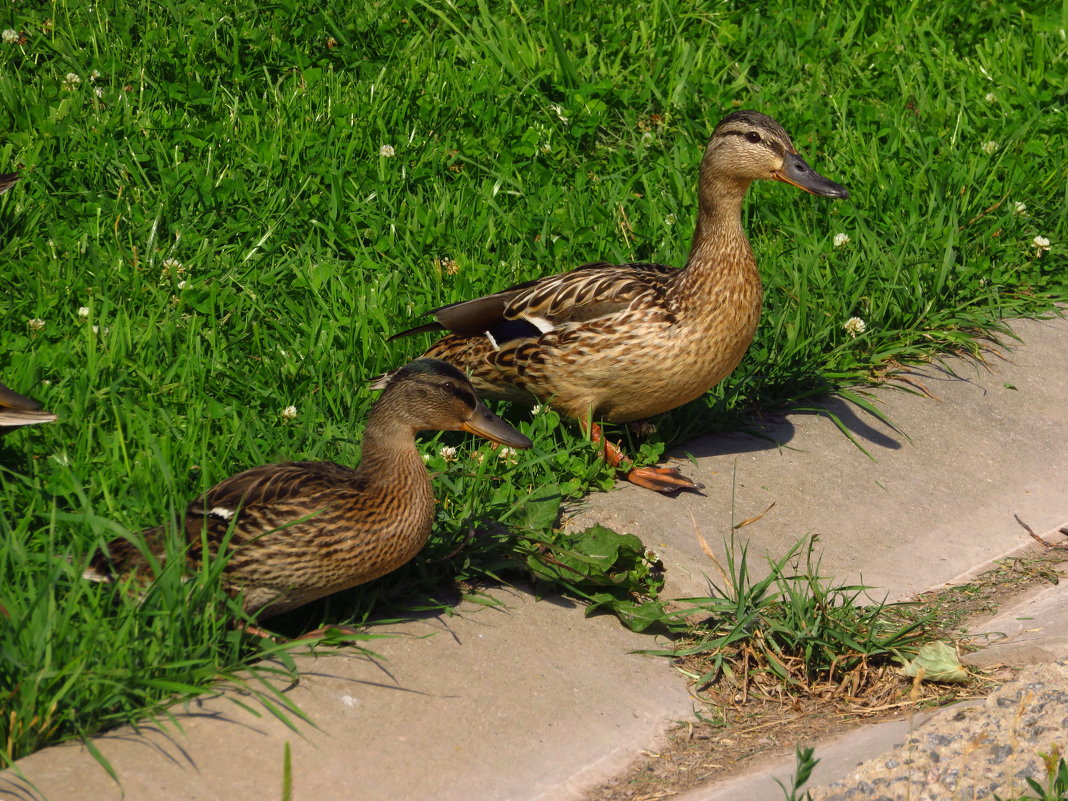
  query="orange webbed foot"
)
[
  {"x": 658, "y": 479},
  {"x": 661, "y": 479}
]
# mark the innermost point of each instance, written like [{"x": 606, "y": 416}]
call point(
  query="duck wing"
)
[
  {"x": 267, "y": 497},
  {"x": 536, "y": 307},
  {"x": 18, "y": 410}
]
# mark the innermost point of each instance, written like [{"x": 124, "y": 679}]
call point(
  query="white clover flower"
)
[
  {"x": 669, "y": 219},
  {"x": 98, "y": 91},
  {"x": 83, "y": 311},
  {"x": 537, "y": 409},
  {"x": 478, "y": 456},
  {"x": 854, "y": 326},
  {"x": 72, "y": 79},
  {"x": 450, "y": 266},
  {"x": 990, "y": 148},
  {"x": 426, "y": 458},
  {"x": 183, "y": 284},
  {"x": 9, "y": 36},
  {"x": 448, "y": 453},
  {"x": 172, "y": 264},
  {"x": 387, "y": 151},
  {"x": 36, "y": 324},
  {"x": 507, "y": 455},
  {"x": 841, "y": 240},
  {"x": 558, "y": 110},
  {"x": 1019, "y": 208},
  {"x": 289, "y": 413},
  {"x": 94, "y": 75},
  {"x": 991, "y": 97},
  {"x": 1041, "y": 245}
]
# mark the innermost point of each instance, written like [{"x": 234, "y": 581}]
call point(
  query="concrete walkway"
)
[{"x": 535, "y": 702}]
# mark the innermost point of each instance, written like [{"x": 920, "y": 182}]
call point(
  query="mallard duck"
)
[
  {"x": 17, "y": 410},
  {"x": 303, "y": 530},
  {"x": 624, "y": 342}
]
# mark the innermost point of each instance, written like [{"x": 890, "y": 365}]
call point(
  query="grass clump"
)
[
  {"x": 791, "y": 633},
  {"x": 226, "y": 208}
]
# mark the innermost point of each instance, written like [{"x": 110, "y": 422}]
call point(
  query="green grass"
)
[
  {"x": 211, "y": 191},
  {"x": 792, "y": 632}
]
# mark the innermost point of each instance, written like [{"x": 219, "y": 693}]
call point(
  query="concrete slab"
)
[
  {"x": 926, "y": 508},
  {"x": 537, "y": 703},
  {"x": 530, "y": 702},
  {"x": 1031, "y": 631}
]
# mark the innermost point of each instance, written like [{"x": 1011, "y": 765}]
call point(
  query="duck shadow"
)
[{"x": 775, "y": 431}]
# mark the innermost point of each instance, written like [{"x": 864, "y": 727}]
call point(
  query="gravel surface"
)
[{"x": 974, "y": 752}]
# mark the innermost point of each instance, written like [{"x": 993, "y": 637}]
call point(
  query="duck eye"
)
[
  {"x": 753, "y": 137},
  {"x": 448, "y": 385}
]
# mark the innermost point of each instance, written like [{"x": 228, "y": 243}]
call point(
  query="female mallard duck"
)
[
  {"x": 8, "y": 180},
  {"x": 625, "y": 342},
  {"x": 303, "y": 530},
  {"x": 16, "y": 410}
]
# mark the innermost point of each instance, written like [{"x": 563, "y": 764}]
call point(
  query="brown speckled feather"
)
[{"x": 8, "y": 180}]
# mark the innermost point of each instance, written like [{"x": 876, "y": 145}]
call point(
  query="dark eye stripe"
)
[
  {"x": 461, "y": 393},
  {"x": 770, "y": 144}
]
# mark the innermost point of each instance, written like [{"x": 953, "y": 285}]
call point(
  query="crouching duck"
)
[
  {"x": 623, "y": 342},
  {"x": 302, "y": 530}
]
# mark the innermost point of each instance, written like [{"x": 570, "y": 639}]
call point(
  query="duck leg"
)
[
  {"x": 256, "y": 631},
  {"x": 659, "y": 479}
]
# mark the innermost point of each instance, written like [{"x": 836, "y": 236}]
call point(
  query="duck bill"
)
[
  {"x": 486, "y": 424},
  {"x": 795, "y": 171}
]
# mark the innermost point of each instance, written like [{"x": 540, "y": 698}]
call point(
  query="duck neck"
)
[
  {"x": 721, "y": 260},
  {"x": 389, "y": 457}
]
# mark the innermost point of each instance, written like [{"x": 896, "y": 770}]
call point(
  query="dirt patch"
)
[{"x": 729, "y": 737}]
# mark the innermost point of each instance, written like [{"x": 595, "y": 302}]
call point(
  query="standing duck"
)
[
  {"x": 624, "y": 342},
  {"x": 303, "y": 530}
]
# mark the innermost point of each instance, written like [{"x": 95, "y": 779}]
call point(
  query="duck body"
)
[
  {"x": 636, "y": 349},
  {"x": 298, "y": 531},
  {"x": 625, "y": 342}
]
